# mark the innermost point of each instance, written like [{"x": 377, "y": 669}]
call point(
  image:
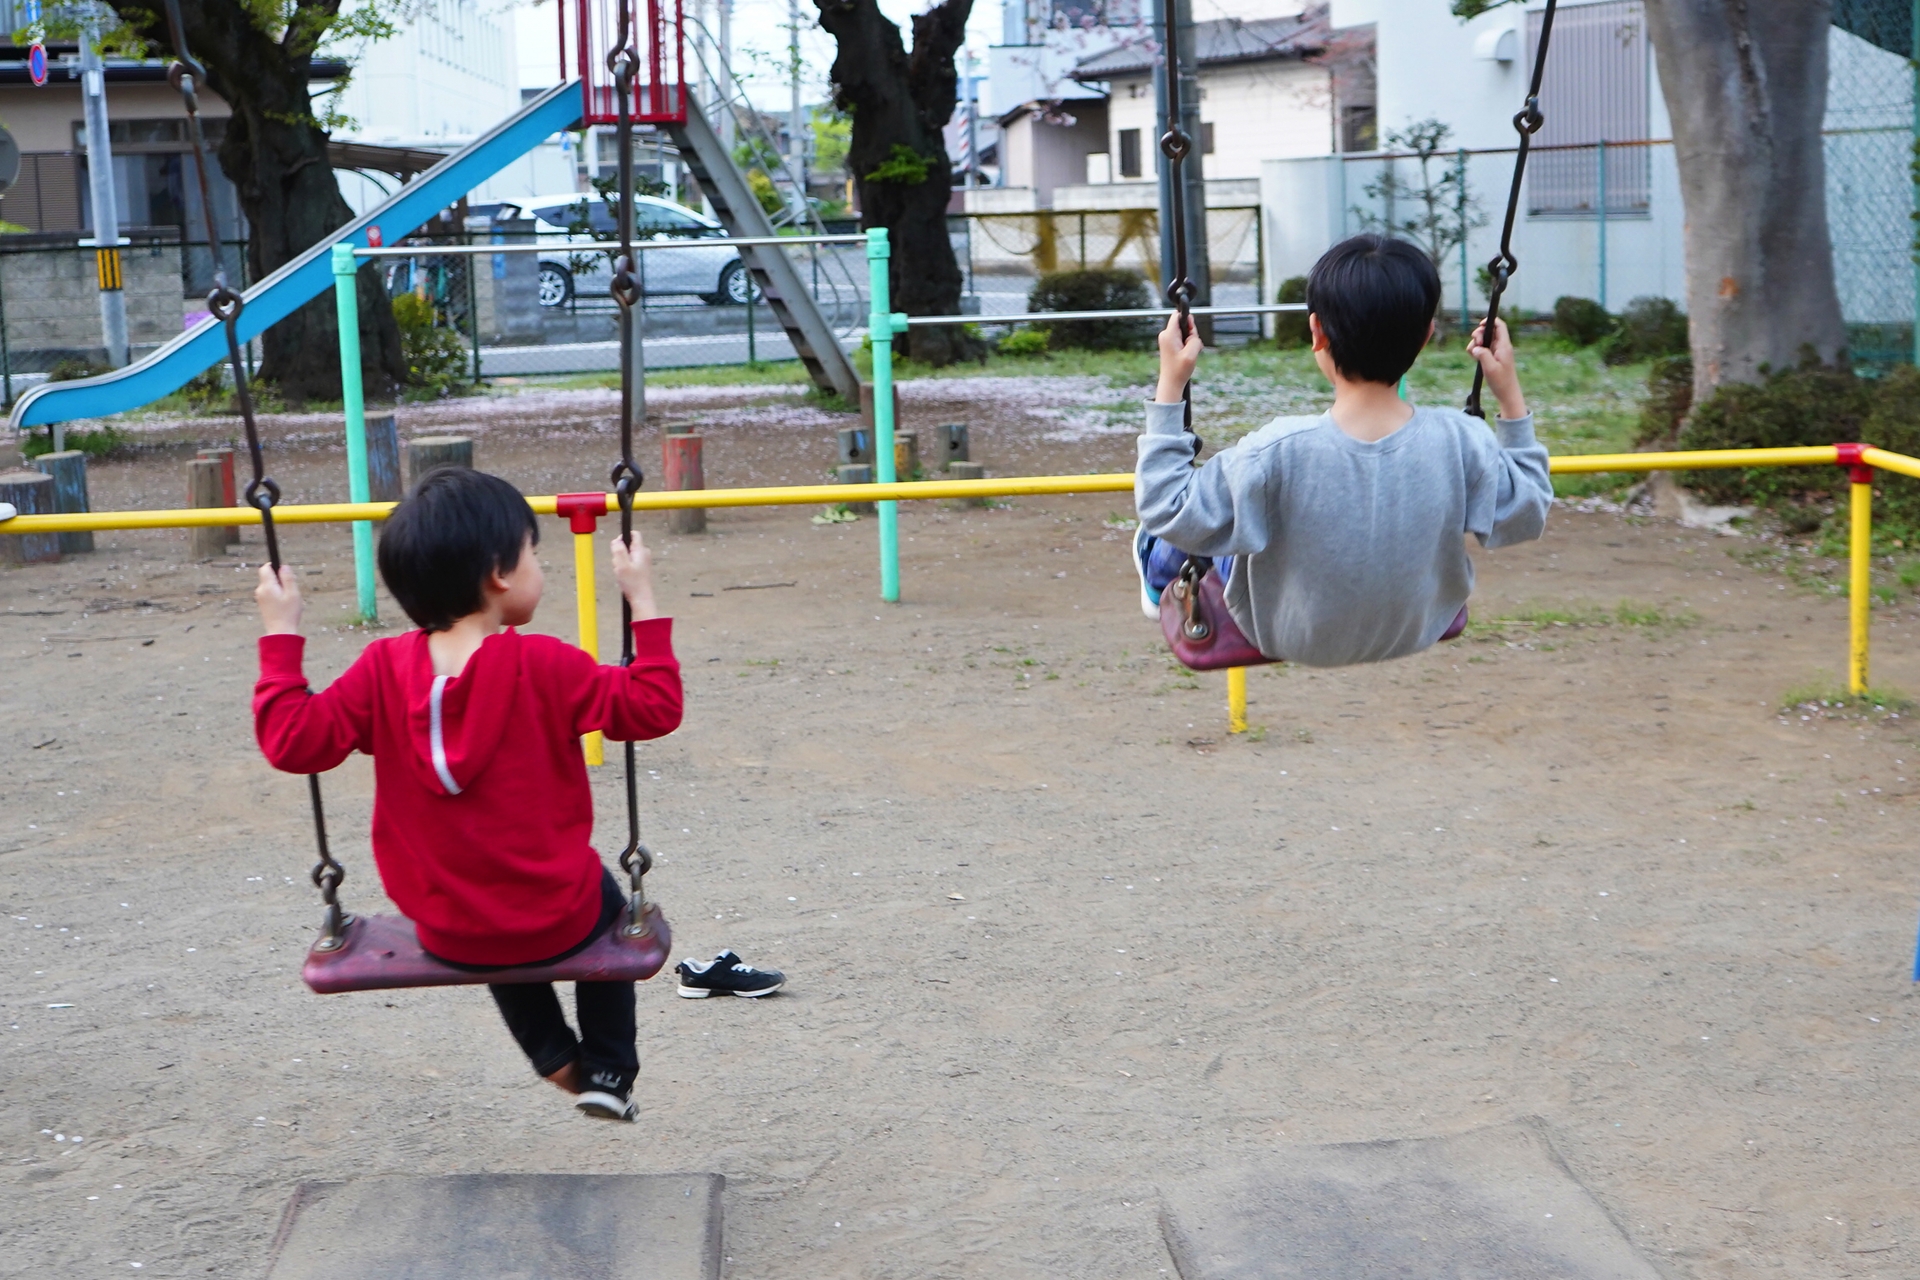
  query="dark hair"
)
[
  {"x": 441, "y": 542},
  {"x": 1375, "y": 297}
]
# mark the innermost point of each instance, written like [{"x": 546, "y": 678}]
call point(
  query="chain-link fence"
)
[
  {"x": 1870, "y": 181},
  {"x": 1005, "y": 254}
]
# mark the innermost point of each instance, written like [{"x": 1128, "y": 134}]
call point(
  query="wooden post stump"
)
[
  {"x": 968, "y": 471},
  {"x": 682, "y": 468},
  {"x": 69, "y": 471},
  {"x": 866, "y": 406},
  {"x": 906, "y": 455},
  {"x": 856, "y": 446},
  {"x": 857, "y": 473},
  {"x": 224, "y": 456},
  {"x": 29, "y": 493},
  {"x": 953, "y": 444},
  {"x": 383, "y": 459},
  {"x": 205, "y": 542},
  {"x": 424, "y": 453}
]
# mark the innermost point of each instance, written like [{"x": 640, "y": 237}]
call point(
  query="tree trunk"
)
[
  {"x": 901, "y": 101},
  {"x": 276, "y": 155},
  {"x": 1746, "y": 87}
]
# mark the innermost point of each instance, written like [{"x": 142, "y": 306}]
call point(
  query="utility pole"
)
[
  {"x": 1199, "y": 266},
  {"x": 973, "y": 123},
  {"x": 796, "y": 138},
  {"x": 724, "y": 124},
  {"x": 106, "y": 215}
]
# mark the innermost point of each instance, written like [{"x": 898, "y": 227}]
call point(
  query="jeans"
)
[
  {"x": 606, "y": 1044},
  {"x": 1164, "y": 561}
]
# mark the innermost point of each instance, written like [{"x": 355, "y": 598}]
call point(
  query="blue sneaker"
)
[{"x": 1143, "y": 544}]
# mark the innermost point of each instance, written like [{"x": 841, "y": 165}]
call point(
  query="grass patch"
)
[
  {"x": 1531, "y": 625},
  {"x": 1824, "y": 698}
]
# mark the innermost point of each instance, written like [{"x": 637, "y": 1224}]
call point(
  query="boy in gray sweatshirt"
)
[{"x": 1342, "y": 537}]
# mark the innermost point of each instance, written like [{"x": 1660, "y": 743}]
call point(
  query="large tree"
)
[
  {"x": 900, "y": 103},
  {"x": 1746, "y": 89},
  {"x": 258, "y": 55}
]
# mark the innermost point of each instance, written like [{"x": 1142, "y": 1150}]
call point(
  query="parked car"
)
[{"x": 714, "y": 274}]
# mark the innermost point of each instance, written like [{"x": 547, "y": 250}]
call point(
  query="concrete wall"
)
[
  {"x": 52, "y": 303},
  {"x": 1042, "y": 155}
]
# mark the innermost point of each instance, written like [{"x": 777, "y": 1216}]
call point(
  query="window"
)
[
  {"x": 1206, "y": 137},
  {"x": 1129, "y": 153},
  {"x": 1597, "y": 86}
]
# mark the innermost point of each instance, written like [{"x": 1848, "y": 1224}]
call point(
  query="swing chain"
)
[
  {"x": 262, "y": 492},
  {"x": 1176, "y": 145},
  {"x": 627, "y": 477},
  {"x": 1526, "y": 123}
]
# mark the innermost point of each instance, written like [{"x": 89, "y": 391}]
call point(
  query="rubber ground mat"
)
[
  {"x": 1493, "y": 1204},
  {"x": 507, "y": 1226}
]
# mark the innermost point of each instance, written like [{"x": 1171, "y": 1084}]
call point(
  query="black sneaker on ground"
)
[
  {"x": 606, "y": 1097},
  {"x": 724, "y": 975}
]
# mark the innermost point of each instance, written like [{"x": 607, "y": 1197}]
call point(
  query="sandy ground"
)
[{"x": 1054, "y": 937}]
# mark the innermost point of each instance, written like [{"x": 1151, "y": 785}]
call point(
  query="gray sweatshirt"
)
[{"x": 1351, "y": 550}]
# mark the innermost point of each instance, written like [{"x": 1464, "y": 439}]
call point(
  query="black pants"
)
[{"x": 606, "y": 1044}]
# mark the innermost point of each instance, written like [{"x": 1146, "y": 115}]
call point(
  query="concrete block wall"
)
[{"x": 51, "y": 299}]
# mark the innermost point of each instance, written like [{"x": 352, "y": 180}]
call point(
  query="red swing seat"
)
[{"x": 379, "y": 953}]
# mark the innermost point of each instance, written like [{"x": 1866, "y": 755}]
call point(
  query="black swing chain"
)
[
  {"x": 636, "y": 860},
  {"x": 262, "y": 492},
  {"x": 1526, "y": 123},
  {"x": 1176, "y": 144}
]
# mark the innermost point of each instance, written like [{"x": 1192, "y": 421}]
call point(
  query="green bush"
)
[
  {"x": 1812, "y": 404},
  {"x": 73, "y": 368},
  {"x": 1669, "y": 396},
  {"x": 1894, "y": 424},
  {"x": 436, "y": 356},
  {"x": 1094, "y": 289},
  {"x": 1648, "y": 329},
  {"x": 1290, "y": 327},
  {"x": 1024, "y": 342},
  {"x": 95, "y": 444},
  {"x": 1581, "y": 321}
]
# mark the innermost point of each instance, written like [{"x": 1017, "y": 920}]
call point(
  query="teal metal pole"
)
[
  {"x": 353, "y": 397},
  {"x": 881, "y": 326},
  {"x": 1603, "y": 224}
]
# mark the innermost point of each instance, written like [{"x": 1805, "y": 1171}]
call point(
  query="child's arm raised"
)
[
  {"x": 300, "y": 731},
  {"x": 1509, "y": 504},
  {"x": 643, "y": 699},
  {"x": 1214, "y": 510}
]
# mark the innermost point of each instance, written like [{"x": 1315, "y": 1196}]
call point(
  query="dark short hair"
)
[
  {"x": 1375, "y": 298},
  {"x": 441, "y": 542}
]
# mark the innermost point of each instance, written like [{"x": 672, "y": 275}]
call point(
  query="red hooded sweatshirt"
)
[{"x": 481, "y": 809}]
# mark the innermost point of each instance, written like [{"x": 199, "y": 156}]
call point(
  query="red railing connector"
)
[
  {"x": 1848, "y": 456},
  {"x": 583, "y": 510}
]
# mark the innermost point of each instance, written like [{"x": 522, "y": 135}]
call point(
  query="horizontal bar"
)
[
  {"x": 1133, "y": 313},
  {"x": 791, "y": 495},
  {"x": 905, "y": 491},
  {"x": 589, "y": 246},
  {"x": 1704, "y": 459}
]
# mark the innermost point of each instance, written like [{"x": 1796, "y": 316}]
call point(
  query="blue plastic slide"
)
[{"x": 307, "y": 276}]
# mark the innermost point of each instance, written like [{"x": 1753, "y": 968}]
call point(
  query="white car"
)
[{"x": 714, "y": 273}]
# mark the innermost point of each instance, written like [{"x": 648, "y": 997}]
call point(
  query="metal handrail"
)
[{"x": 578, "y": 246}]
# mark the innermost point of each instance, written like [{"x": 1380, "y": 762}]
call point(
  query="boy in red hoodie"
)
[{"x": 481, "y": 812}]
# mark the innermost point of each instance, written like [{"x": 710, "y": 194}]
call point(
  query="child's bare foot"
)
[{"x": 568, "y": 1078}]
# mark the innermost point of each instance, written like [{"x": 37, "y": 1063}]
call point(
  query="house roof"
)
[{"x": 1220, "y": 42}]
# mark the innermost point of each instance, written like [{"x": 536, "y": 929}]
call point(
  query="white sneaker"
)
[
  {"x": 1149, "y": 598},
  {"x": 602, "y": 1105}
]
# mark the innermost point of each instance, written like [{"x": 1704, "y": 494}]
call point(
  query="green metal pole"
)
[
  {"x": 882, "y": 324},
  {"x": 347, "y": 302}
]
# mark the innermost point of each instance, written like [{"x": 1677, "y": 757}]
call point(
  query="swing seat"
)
[
  {"x": 381, "y": 953},
  {"x": 1204, "y": 636}
]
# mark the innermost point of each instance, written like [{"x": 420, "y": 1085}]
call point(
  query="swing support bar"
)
[{"x": 1860, "y": 460}]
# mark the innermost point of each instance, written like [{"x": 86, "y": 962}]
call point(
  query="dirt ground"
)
[{"x": 1584, "y": 872}]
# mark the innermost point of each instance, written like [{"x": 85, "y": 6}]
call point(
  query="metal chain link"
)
[
  {"x": 1176, "y": 145},
  {"x": 1526, "y": 123},
  {"x": 636, "y": 860},
  {"x": 262, "y": 493}
]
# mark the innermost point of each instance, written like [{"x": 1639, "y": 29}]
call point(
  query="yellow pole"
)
[
  {"x": 589, "y": 617},
  {"x": 1860, "y": 585},
  {"x": 1236, "y": 699}
]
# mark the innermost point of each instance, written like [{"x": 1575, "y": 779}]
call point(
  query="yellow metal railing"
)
[{"x": 1861, "y": 460}]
